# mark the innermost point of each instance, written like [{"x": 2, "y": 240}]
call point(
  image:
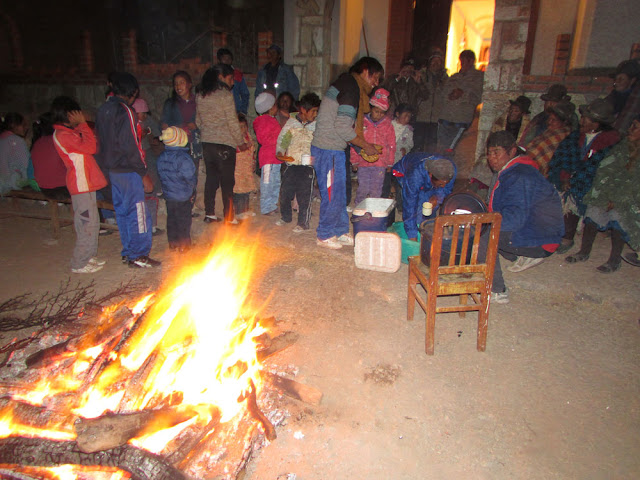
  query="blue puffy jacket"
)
[
  {"x": 177, "y": 173},
  {"x": 416, "y": 185},
  {"x": 530, "y": 206}
]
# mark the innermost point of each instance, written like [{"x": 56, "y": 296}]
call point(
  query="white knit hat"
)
[
  {"x": 174, "y": 137},
  {"x": 264, "y": 102}
]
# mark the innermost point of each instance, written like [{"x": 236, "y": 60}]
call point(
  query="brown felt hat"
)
[
  {"x": 628, "y": 67},
  {"x": 522, "y": 102},
  {"x": 555, "y": 93},
  {"x": 564, "y": 110},
  {"x": 599, "y": 110}
]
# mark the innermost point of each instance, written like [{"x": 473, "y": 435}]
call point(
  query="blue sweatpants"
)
[
  {"x": 269, "y": 188},
  {"x": 134, "y": 222},
  {"x": 331, "y": 171}
]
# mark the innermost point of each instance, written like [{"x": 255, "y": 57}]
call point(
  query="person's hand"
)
[
  {"x": 455, "y": 94},
  {"x": 191, "y": 126},
  {"x": 413, "y": 239},
  {"x": 403, "y": 151},
  {"x": 417, "y": 76},
  {"x": 610, "y": 206},
  {"x": 433, "y": 200},
  {"x": 76, "y": 117},
  {"x": 370, "y": 149},
  {"x": 566, "y": 185},
  {"x": 243, "y": 147}
]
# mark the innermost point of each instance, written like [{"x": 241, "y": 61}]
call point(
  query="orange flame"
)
[{"x": 196, "y": 341}]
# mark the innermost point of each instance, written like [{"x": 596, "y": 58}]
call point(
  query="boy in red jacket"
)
[{"x": 76, "y": 145}]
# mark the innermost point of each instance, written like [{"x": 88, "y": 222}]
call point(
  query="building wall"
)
[
  {"x": 605, "y": 32},
  {"x": 549, "y": 26}
]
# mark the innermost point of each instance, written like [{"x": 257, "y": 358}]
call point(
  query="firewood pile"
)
[{"x": 66, "y": 400}]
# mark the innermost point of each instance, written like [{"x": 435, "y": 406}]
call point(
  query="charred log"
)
[{"x": 141, "y": 464}]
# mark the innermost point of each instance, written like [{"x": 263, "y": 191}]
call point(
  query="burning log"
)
[
  {"x": 40, "y": 452},
  {"x": 277, "y": 344},
  {"x": 252, "y": 405},
  {"x": 293, "y": 389},
  {"x": 116, "y": 429}
]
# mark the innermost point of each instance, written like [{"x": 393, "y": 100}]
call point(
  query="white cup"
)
[{"x": 427, "y": 209}]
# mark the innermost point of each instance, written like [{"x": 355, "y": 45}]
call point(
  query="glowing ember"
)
[{"x": 194, "y": 341}]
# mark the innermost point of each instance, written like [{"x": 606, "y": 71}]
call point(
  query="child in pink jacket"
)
[
  {"x": 379, "y": 131},
  {"x": 267, "y": 130}
]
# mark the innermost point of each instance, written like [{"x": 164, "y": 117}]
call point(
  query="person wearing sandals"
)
[
  {"x": 613, "y": 203},
  {"x": 575, "y": 161}
]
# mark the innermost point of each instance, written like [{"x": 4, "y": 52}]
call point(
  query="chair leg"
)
[
  {"x": 483, "y": 321},
  {"x": 430, "y": 323},
  {"x": 463, "y": 301},
  {"x": 411, "y": 297}
]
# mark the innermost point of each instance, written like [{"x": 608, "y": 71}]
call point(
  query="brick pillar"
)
[
  {"x": 265, "y": 40},
  {"x": 218, "y": 40},
  {"x": 399, "y": 34},
  {"x": 15, "y": 41},
  {"x": 86, "y": 54},
  {"x": 130, "y": 51},
  {"x": 561, "y": 56}
]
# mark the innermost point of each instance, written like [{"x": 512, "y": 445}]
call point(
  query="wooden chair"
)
[{"x": 469, "y": 278}]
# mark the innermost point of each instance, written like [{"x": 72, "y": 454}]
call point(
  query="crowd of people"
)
[{"x": 552, "y": 172}]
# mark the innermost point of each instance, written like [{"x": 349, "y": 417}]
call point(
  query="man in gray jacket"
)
[{"x": 462, "y": 95}]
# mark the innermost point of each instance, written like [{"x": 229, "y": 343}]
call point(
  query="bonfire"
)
[{"x": 166, "y": 388}]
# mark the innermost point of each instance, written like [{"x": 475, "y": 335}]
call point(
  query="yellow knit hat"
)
[{"x": 174, "y": 137}]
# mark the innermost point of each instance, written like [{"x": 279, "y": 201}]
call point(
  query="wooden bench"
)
[{"x": 54, "y": 213}]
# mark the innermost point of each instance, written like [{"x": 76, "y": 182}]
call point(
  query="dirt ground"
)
[{"x": 556, "y": 395}]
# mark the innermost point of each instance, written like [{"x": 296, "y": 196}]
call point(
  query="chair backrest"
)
[{"x": 462, "y": 235}]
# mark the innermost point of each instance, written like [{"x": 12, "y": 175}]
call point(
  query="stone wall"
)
[{"x": 503, "y": 76}]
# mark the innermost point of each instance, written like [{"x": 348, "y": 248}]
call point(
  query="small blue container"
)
[{"x": 373, "y": 215}]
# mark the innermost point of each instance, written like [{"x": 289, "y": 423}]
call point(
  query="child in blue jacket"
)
[
  {"x": 178, "y": 176},
  {"x": 423, "y": 178}
]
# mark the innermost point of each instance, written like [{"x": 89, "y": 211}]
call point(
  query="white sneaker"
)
[
  {"x": 349, "y": 209},
  {"x": 298, "y": 229},
  {"x": 329, "y": 243},
  {"x": 88, "y": 268},
  {"x": 500, "y": 297},
  {"x": 346, "y": 239},
  {"x": 95, "y": 261},
  {"x": 524, "y": 263},
  {"x": 280, "y": 222}
]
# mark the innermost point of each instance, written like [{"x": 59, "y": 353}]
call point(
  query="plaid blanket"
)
[{"x": 576, "y": 161}]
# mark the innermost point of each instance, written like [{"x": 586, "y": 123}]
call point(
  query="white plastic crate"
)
[
  {"x": 377, "y": 207},
  {"x": 378, "y": 251}
]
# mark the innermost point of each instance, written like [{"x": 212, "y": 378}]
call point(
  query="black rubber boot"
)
[
  {"x": 615, "y": 257},
  {"x": 588, "y": 237}
]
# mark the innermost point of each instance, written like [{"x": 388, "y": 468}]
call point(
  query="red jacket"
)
[
  {"x": 76, "y": 148},
  {"x": 48, "y": 168},
  {"x": 267, "y": 130},
  {"x": 381, "y": 133}
]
